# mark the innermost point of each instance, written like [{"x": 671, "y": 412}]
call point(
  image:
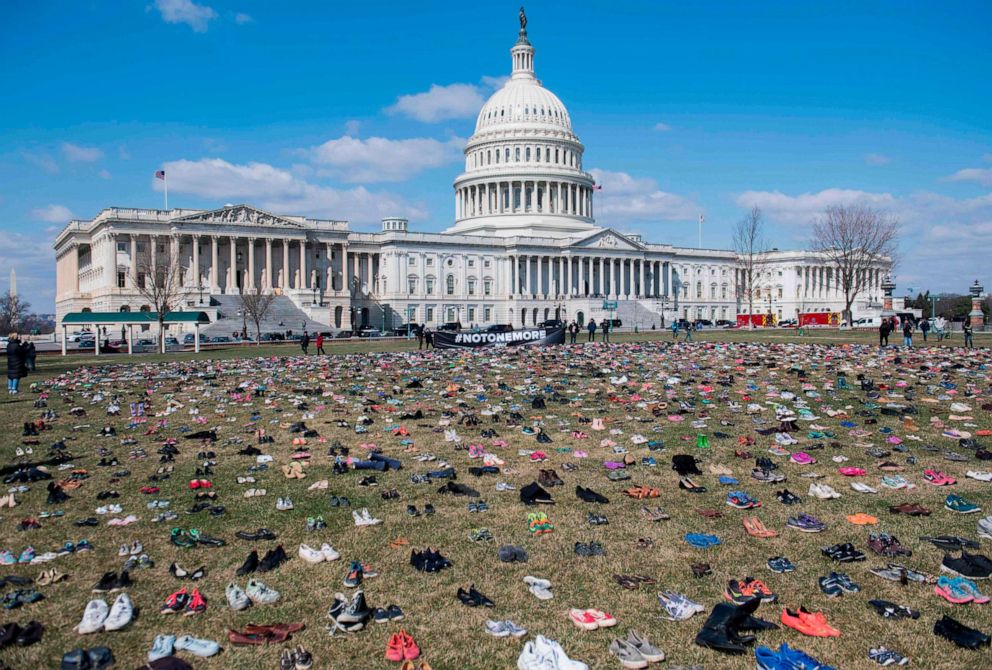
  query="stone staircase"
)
[{"x": 282, "y": 311}]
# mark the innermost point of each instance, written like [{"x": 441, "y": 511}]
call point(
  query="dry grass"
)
[{"x": 451, "y": 635}]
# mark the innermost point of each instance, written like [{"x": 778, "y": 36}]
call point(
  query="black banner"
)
[{"x": 528, "y": 337}]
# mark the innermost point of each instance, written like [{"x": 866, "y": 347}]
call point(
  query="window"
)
[
  {"x": 780, "y": 291},
  {"x": 723, "y": 292},
  {"x": 506, "y": 155},
  {"x": 527, "y": 153},
  {"x": 411, "y": 285},
  {"x": 429, "y": 314},
  {"x": 141, "y": 246},
  {"x": 699, "y": 289},
  {"x": 487, "y": 263},
  {"x": 449, "y": 285},
  {"x": 122, "y": 246},
  {"x": 487, "y": 287},
  {"x": 713, "y": 292},
  {"x": 120, "y": 279},
  {"x": 487, "y": 314},
  {"x": 411, "y": 260},
  {"x": 450, "y": 262},
  {"x": 430, "y": 262},
  {"x": 429, "y": 284},
  {"x": 471, "y": 314},
  {"x": 471, "y": 287},
  {"x": 471, "y": 262},
  {"x": 538, "y": 156},
  {"x": 516, "y": 154}
]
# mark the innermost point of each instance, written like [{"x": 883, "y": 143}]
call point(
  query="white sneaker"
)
[
  {"x": 840, "y": 459},
  {"x": 93, "y": 617},
  {"x": 529, "y": 660},
  {"x": 980, "y": 475},
  {"x": 862, "y": 488},
  {"x": 555, "y": 652},
  {"x": 311, "y": 555},
  {"x": 329, "y": 553},
  {"x": 121, "y": 613},
  {"x": 368, "y": 518}
]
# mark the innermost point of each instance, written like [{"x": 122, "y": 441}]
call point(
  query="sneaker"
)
[
  {"x": 886, "y": 657},
  {"x": 258, "y": 592},
  {"x": 780, "y": 565},
  {"x": 956, "y": 503},
  {"x": 237, "y": 599},
  {"x": 197, "y": 603},
  {"x": 121, "y": 613},
  {"x": 175, "y": 602},
  {"x": 311, "y": 555},
  {"x": 94, "y": 616},
  {"x": 197, "y": 646}
]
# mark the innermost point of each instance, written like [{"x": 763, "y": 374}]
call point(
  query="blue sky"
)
[{"x": 359, "y": 110}]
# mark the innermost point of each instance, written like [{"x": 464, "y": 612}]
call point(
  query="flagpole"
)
[
  {"x": 700, "y": 246},
  {"x": 165, "y": 178}
]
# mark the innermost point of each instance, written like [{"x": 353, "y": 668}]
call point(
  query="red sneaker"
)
[
  {"x": 410, "y": 648},
  {"x": 194, "y": 483},
  {"x": 175, "y": 602},
  {"x": 394, "y": 648},
  {"x": 197, "y": 603}
]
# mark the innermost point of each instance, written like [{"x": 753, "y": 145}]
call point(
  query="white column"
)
[
  {"x": 268, "y": 285},
  {"x": 568, "y": 275},
  {"x": 196, "y": 261},
  {"x": 303, "y": 265},
  {"x": 284, "y": 284},
  {"x": 251, "y": 263},
  {"x": 630, "y": 277},
  {"x": 232, "y": 280},
  {"x": 644, "y": 278},
  {"x": 214, "y": 264},
  {"x": 133, "y": 274}
]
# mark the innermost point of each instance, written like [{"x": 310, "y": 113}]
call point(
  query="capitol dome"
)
[{"x": 523, "y": 165}]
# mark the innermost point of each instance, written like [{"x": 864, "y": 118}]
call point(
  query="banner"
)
[{"x": 531, "y": 337}]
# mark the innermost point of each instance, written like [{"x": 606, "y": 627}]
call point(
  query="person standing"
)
[
  {"x": 675, "y": 330},
  {"x": 883, "y": 333},
  {"x": 606, "y": 330},
  {"x": 320, "y": 343},
  {"x": 967, "y": 330},
  {"x": 420, "y": 337},
  {"x": 305, "y": 342},
  {"x": 592, "y": 331},
  {"x": 30, "y": 355},
  {"x": 573, "y": 331},
  {"x": 907, "y": 333},
  {"x": 925, "y": 328},
  {"x": 15, "y": 363},
  {"x": 689, "y": 327},
  {"x": 428, "y": 338}
]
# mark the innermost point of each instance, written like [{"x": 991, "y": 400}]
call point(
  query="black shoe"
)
[
  {"x": 588, "y": 495},
  {"x": 273, "y": 559},
  {"x": 890, "y": 610},
  {"x": 92, "y": 521},
  {"x": 257, "y": 535},
  {"x": 458, "y": 490},
  {"x": 122, "y": 582},
  {"x": 29, "y": 634},
  {"x": 100, "y": 658},
  {"x": 412, "y": 510},
  {"x": 9, "y": 632},
  {"x": 249, "y": 566},
  {"x": 950, "y": 542},
  {"x": 533, "y": 494},
  {"x": 965, "y": 566},
  {"x": 716, "y": 633},
  {"x": 77, "y": 659},
  {"x": 428, "y": 509},
  {"x": 465, "y": 598},
  {"x": 106, "y": 583},
  {"x": 959, "y": 634},
  {"x": 480, "y": 599}
]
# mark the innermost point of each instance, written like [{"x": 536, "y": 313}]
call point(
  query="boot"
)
[{"x": 716, "y": 633}]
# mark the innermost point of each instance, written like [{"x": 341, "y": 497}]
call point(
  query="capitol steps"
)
[{"x": 281, "y": 316}]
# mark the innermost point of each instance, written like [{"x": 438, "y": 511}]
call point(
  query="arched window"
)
[
  {"x": 538, "y": 158},
  {"x": 516, "y": 154},
  {"x": 125, "y": 308},
  {"x": 449, "y": 285},
  {"x": 145, "y": 308},
  {"x": 699, "y": 289},
  {"x": 528, "y": 154}
]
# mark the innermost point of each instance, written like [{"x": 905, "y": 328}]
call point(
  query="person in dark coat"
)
[
  {"x": 883, "y": 333},
  {"x": 16, "y": 369},
  {"x": 305, "y": 341},
  {"x": 30, "y": 354},
  {"x": 925, "y": 328},
  {"x": 592, "y": 330}
]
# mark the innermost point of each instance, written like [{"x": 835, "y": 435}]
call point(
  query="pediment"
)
[
  {"x": 242, "y": 215},
  {"x": 608, "y": 239}
]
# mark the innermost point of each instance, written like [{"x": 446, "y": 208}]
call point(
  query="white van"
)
[{"x": 868, "y": 322}]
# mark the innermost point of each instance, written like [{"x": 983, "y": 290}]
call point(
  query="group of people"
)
[
  {"x": 20, "y": 360},
  {"x": 892, "y": 324},
  {"x": 605, "y": 326}
]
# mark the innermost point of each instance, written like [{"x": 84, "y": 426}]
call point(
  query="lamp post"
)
[
  {"x": 677, "y": 287},
  {"x": 237, "y": 275},
  {"x": 199, "y": 287}
]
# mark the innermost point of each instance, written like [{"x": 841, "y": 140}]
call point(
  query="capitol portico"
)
[{"x": 525, "y": 247}]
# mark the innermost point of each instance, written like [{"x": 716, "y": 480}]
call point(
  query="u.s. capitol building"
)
[{"x": 525, "y": 247}]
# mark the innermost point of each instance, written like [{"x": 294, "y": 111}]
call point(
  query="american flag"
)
[
  {"x": 597, "y": 187},
  {"x": 160, "y": 174}
]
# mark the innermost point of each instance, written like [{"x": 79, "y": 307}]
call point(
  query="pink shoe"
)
[
  {"x": 851, "y": 471},
  {"x": 580, "y": 454},
  {"x": 946, "y": 595},
  {"x": 802, "y": 458},
  {"x": 538, "y": 456}
]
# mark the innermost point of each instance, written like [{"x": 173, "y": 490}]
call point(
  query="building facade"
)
[{"x": 525, "y": 247}]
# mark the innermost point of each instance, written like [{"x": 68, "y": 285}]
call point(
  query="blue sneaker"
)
[
  {"x": 800, "y": 660},
  {"x": 728, "y": 481}
]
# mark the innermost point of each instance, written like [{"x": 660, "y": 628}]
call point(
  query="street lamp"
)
[{"x": 199, "y": 287}]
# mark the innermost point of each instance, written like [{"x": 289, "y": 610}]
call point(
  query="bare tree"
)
[
  {"x": 854, "y": 240},
  {"x": 13, "y": 312},
  {"x": 157, "y": 276},
  {"x": 750, "y": 245},
  {"x": 255, "y": 305}
]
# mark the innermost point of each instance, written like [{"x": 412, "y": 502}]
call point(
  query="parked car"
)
[
  {"x": 704, "y": 322},
  {"x": 369, "y": 332},
  {"x": 221, "y": 339},
  {"x": 499, "y": 328},
  {"x": 788, "y": 323},
  {"x": 454, "y": 326},
  {"x": 273, "y": 337},
  {"x": 344, "y": 334},
  {"x": 552, "y": 323},
  {"x": 83, "y": 334},
  {"x": 723, "y": 323},
  {"x": 407, "y": 328}
]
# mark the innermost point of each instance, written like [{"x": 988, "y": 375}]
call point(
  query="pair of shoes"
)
[
  {"x": 739, "y": 591},
  {"x": 959, "y": 634},
  {"x": 786, "y": 657},
  {"x": 473, "y": 598},
  {"x": 541, "y": 588},
  {"x": 780, "y": 565},
  {"x": 364, "y": 518},
  {"x": 727, "y": 627},
  {"x": 756, "y": 528},
  {"x": 325, "y": 553},
  {"x": 837, "y": 583},
  {"x": 809, "y": 623},
  {"x": 182, "y": 601},
  {"x": 401, "y": 646},
  {"x": 677, "y": 606},
  {"x": 972, "y": 566},
  {"x": 98, "y": 616},
  {"x": 702, "y": 540},
  {"x": 296, "y": 659},
  {"x": 428, "y": 560},
  {"x": 591, "y": 619},
  {"x": 539, "y": 523},
  {"x": 541, "y": 653},
  {"x": 589, "y": 549},
  {"x": 504, "y": 629},
  {"x": 588, "y": 495},
  {"x": 510, "y": 554}
]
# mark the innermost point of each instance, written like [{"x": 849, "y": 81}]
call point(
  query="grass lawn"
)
[{"x": 451, "y": 635}]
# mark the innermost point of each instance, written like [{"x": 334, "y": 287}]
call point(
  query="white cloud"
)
[
  {"x": 440, "y": 103},
  {"x": 282, "y": 192},
  {"x": 104, "y": 174},
  {"x": 877, "y": 159},
  {"x": 804, "y": 208},
  {"x": 42, "y": 160},
  {"x": 241, "y": 18},
  {"x": 52, "y": 214},
  {"x": 627, "y": 198},
  {"x": 982, "y": 176},
  {"x": 378, "y": 159},
  {"x": 662, "y": 127},
  {"x": 75, "y": 152},
  {"x": 186, "y": 11}
]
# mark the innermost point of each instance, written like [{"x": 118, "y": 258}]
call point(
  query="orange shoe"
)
[
  {"x": 394, "y": 648},
  {"x": 862, "y": 519},
  {"x": 796, "y": 622}
]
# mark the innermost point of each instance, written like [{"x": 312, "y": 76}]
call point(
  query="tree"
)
[
  {"x": 255, "y": 305},
  {"x": 854, "y": 240},
  {"x": 13, "y": 312},
  {"x": 749, "y": 243},
  {"x": 157, "y": 275}
]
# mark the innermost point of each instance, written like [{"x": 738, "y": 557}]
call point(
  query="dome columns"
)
[{"x": 523, "y": 196}]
